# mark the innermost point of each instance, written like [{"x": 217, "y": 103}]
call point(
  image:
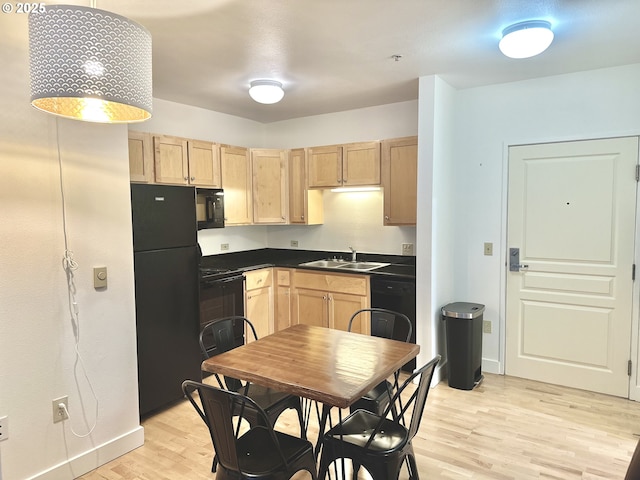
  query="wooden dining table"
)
[{"x": 333, "y": 367}]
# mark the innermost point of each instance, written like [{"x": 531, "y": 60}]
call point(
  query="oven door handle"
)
[{"x": 215, "y": 281}]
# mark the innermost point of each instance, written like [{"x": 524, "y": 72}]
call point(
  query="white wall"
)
[
  {"x": 438, "y": 140},
  {"x": 594, "y": 104},
  {"x": 37, "y": 354}
]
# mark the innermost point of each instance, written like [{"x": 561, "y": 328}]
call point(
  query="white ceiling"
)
[{"x": 334, "y": 55}]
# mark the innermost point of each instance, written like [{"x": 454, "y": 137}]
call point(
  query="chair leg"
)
[
  {"x": 303, "y": 431},
  {"x": 413, "y": 468}
]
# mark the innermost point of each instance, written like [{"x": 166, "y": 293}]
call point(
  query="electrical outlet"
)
[
  {"x": 224, "y": 246},
  {"x": 59, "y": 414},
  {"x": 4, "y": 429},
  {"x": 407, "y": 249},
  {"x": 488, "y": 248},
  {"x": 294, "y": 243},
  {"x": 486, "y": 326}
]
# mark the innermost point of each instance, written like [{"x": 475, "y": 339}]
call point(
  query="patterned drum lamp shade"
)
[{"x": 89, "y": 64}]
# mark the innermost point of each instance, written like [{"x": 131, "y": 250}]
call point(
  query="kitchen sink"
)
[{"x": 345, "y": 265}]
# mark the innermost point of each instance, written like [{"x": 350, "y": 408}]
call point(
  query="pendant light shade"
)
[
  {"x": 89, "y": 64},
  {"x": 266, "y": 91},
  {"x": 526, "y": 39}
]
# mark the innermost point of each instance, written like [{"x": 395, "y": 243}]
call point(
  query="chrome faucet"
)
[{"x": 353, "y": 254}]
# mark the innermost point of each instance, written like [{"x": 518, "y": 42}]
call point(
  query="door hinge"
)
[
  {"x": 629, "y": 368},
  {"x": 637, "y": 173},
  {"x": 633, "y": 272}
]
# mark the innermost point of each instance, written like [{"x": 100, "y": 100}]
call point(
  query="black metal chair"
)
[
  {"x": 220, "y": 336},
  {"x": 258, "y": 453},
  {"x": 377, "y": 443},
  {"x": 383, "y": 323}
]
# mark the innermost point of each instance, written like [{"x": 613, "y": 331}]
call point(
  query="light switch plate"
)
[
  {"x": 99, "y": 277},
  {"x": 488, "y": 248}
]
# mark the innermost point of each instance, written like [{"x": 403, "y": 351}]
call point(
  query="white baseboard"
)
[
  {"x": 95, "y": 457},
  {"x": 491, "y": 366}
]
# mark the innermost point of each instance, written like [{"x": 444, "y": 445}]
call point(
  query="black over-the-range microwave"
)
[{"x": 210, "y": 208}]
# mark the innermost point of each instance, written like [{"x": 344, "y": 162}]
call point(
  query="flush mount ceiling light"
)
[
  {"x": 266, "y": 91},
  {"x": 89, "y": 64},
  {"x": 526, "y": 39}
]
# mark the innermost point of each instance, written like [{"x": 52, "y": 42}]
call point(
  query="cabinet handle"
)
[
  {"x": 386, "y": 217},
  {"x": 302, "y": 217},
  {"x": 193, "y": 178},
  {"x": 186, "y": 178}
]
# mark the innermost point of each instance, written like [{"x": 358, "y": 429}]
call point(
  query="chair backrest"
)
[
  {"x": 417, "y": 400},
  {"x": 383, "y": 322},
  {"x": 217, "y": 408},
  {"x": 221, "y": 334}
]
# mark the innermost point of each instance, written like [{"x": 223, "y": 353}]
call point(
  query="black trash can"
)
[{"x": 464, "y": 344}]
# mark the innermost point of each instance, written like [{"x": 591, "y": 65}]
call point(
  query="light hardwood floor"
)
[{"x": 506, "y": 428}]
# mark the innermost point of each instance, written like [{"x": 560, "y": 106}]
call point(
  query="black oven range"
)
[{"x": 221, "y": 295}]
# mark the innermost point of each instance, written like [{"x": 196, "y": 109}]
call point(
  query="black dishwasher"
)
[{"x": 397, "y": 294}]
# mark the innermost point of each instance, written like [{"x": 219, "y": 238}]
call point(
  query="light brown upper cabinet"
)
[
  {"x": 171, "y": 159},
  {"x": 236, "y": 181},
  {"x": 186, "y": 162},
  {"x": 305, "y": 206},
  {"x": 140, "y": 157},
  {"x": 349, "y": 165},
  {"x": 361, "y": 164},
  {"x": 399, "y": 180},
  {"x": 204, "y": 164},
  {"x": 269, "y": 171},
  {"x": 325, "y": 166}
]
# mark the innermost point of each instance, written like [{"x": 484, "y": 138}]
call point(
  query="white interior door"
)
[{"x": 571, "y": 214}]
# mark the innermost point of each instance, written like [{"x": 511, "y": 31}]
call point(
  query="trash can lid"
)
[{"x": 463, "y": 310}]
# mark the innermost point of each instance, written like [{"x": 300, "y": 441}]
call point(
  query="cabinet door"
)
[
  {"x": 171, "y": 160},
  {"x": 204, "y": 164},
  {"x": 283, "y": 308},
  {"x": 297, "y": 186},
  {"x": 325, "y": 166},
  {"x": 342, "y": 306},
  {"x": 310, "y": 307},
  {"x": 305, "y": 206},
  {"x": 140, "y": 157},
  {"x": 399, "y": 180},
  {"x": 258, "y": 309},
  {"x": 361, "y": 164},
  {"x": 236, "y": 182},
  {"x": 283, "y": 302},
  {"x": 269, "y": 186}
]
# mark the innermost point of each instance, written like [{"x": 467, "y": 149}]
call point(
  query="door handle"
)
[{"x": 514, "y": 260}]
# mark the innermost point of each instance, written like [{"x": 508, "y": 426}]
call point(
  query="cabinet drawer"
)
[
  {"x": 258, "y": 279},
  {"x": 283, "y": 277},
  {"x": 339, "y": 283}
]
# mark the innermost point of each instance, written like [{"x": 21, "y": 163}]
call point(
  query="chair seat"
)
[
  {"x": 257, "y": 460},
  {"x": 358, "y": 427},
  {"x": 376, "y": 399}
]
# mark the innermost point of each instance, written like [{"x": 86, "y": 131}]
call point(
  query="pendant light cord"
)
[{"x": 70, "y": 265}]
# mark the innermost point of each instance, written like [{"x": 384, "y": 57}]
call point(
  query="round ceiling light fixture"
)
[
  {"x": 266, "y": 91},
  {"x": 526, "y": 39}
]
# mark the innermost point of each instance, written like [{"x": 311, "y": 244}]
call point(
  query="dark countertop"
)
[{"x": 400, "y": 266}]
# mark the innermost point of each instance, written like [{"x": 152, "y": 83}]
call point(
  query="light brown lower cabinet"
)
[
  {"x": 258, "y": 301},
  {"x": 329, "y": 300},
  {"x": 282, "y": 298}
]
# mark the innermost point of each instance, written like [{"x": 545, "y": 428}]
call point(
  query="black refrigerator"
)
[{"x": 166, "y": 291}]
